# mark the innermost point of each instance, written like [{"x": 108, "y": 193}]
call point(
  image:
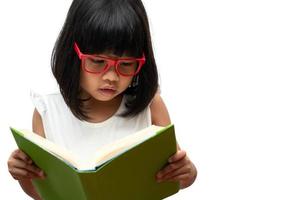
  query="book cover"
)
[{"x": 130, "y": 175}]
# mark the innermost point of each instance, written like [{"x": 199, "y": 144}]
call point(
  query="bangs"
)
[{"x": 113, "y": 27}]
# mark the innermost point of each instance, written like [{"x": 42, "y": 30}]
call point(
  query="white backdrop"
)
[{"x": 229, "y": 75}]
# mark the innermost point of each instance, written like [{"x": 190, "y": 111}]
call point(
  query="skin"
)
[
  {"x": 22, "y": 168},
  {"x": 180, "y": 168},
  {"x": 104, "y": 104}
]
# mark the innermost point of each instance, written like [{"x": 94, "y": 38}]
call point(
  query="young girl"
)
[{"x": 104, "y": 65}]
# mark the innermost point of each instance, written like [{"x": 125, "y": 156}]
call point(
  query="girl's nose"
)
[{"x": 111, "y": 74}]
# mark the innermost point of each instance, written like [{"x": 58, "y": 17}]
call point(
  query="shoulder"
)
[
  {"x": 42, "y": 102},
  {"x": 45, "y": 96},
  {"x": 159, "y": 111}
]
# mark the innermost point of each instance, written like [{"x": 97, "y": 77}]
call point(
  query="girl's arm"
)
[
  {"x": 26, "y": 184},
  {"x": 180, "y": 167}
]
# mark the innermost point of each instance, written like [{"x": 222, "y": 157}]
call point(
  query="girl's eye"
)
[
  {"x": 98, "y": 61},
  {"x": 127, "y": 64}
]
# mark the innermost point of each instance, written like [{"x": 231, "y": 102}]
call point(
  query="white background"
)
[{"x": 229, "y": 75}]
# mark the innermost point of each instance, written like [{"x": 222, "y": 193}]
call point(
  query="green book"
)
[{"x": 123, "y": 170}]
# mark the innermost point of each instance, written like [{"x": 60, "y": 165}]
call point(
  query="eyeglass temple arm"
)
[{"x": 77, "y": 50}]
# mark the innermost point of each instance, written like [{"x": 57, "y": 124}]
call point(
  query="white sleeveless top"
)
[{"x": 81, "y": 137}]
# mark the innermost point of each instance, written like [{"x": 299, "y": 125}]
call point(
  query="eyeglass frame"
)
[{"x": 111, "y": 62}]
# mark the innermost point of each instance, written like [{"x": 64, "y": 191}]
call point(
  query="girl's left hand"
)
[{"x": 180, "y": 168}]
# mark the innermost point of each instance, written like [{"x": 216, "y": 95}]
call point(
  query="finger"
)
[
  {"x": 19, "y": 174},
  {"x": 16, "y": 163},
  {"x": 170, "y": 167},
  {"x": 21, "y": 155},
  {"x": 182, "y": 170},
  {"x": 179, "y": 177},
  {"x": 34, "y": 169},
  {"x": 180, "y": 154},
  {"x": 20, "y": 164}
]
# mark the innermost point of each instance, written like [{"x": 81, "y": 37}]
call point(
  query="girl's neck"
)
[{"x": 99, "y": 111}]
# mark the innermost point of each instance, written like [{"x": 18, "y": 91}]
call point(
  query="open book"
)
[
  {"x": 100, "y": 156},
  {"x": 124, "y": 169}
]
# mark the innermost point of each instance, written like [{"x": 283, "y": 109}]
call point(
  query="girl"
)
[{"x": 104, "y": 65}]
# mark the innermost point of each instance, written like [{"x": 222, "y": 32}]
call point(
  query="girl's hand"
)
[
  {"x": 20, "y": 166},
  {"x": 180, "y": 168}
]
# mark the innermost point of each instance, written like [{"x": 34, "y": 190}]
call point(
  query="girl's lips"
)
[{"x": 107, "y": 91}]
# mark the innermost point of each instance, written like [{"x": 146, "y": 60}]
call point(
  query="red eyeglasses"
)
[{"x": 97, "y": 64}]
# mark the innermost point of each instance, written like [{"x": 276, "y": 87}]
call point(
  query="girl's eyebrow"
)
[{"x": 112, "y": 56}]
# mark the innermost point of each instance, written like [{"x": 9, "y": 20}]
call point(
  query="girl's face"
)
[{"x": 104, "y": 86}]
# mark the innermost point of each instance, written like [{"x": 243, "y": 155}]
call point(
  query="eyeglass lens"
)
[{"x": 98, "y": 65}]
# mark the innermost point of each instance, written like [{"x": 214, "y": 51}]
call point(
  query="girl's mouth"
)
[{"x": 107, "y": 91}]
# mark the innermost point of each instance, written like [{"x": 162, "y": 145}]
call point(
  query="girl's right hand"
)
[{"x": 21, "y": 167}]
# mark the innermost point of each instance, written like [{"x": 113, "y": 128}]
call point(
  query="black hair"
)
[{"x": 98, "y": 25}]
